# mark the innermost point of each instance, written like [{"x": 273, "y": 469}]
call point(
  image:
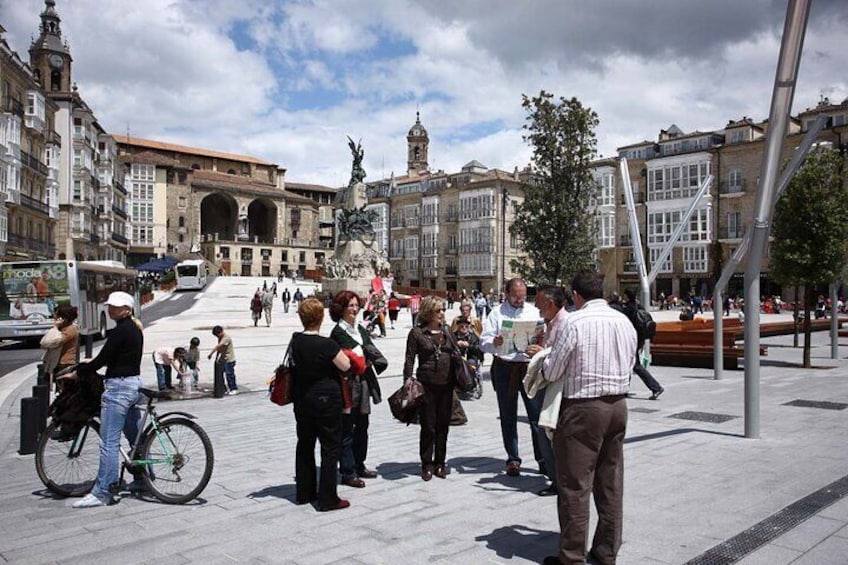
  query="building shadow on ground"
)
[{"x": 517, "y": 541}]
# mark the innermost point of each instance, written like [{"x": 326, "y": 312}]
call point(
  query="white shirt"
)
[
  {"x": 492, "y": 328},
  {"x": 553, "y": 327},
  {"x": 593, "y": 353}
]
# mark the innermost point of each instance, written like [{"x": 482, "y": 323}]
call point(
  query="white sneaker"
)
[
  {"x": 89, "y": 501},
  {"x": 232, "y": 392}
]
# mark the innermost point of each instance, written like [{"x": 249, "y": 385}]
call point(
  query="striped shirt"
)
[{"x": 593, "y": 352}]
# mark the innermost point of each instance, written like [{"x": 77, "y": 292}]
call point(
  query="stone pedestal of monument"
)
[{"x": 361, "y": 286}]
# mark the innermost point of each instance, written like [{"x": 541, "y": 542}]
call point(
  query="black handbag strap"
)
[{"x": 288, "y": 358}]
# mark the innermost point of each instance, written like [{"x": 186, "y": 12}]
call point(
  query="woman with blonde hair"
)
[{"x": 430, "y": 343}]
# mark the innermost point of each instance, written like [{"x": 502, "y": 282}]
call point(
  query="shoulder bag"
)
[
  {"x": 464, "y": 373},
  {"x": 281, "y": 385}
]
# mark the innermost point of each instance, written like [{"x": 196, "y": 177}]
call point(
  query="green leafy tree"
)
[
  {"x": 556, "y": 222},
  {"x": 811, "y": 228}
]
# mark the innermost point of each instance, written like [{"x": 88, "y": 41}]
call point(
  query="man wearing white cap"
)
[{"x": 121, "y": 355}]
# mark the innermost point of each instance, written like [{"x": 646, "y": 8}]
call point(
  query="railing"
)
[
  {"x": 412, "y": 222},
  {"x": 450, "y": 250},
  {"x": 120, "y": 239},
  {"x": 31, "y": 244},
  {"x": 638, "y": 198},
  {"x": 429, "y": 220},
  {"x": 477, "y": 248},
  {"x": 451, "y": 217},
  {"x": 725, "y": 187},
  {"x": 95, "y": 239},
  {"x": 33, "y": 204},
  {"x": 732, "y": 233},
  {"x": 13, "y": 106},
  {"x": 450, "y": 271},
  {"x": 431, "y": 273},
  {"x": 120, "y": 212},
  {"x": 33, "y": 163}
]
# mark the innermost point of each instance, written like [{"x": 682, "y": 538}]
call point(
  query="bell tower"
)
[
  {"x": 49, "y": 56},
  {"x": 417, "y": 144}
]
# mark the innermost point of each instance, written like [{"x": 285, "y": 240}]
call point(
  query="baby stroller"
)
[{"x": 477, "y": 392}]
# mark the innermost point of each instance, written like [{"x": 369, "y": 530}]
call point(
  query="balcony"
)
[
  {"x": 737, "y": 187},
  {"x": 32, "y": 245},
  {"x": 431, "y": 273},
  {"x": 638, "y": 198},
  {"x": 13, "y": 106},
  {"x": 33, "y": 204},
  {"x": 451, "y": 217},
  {"x": 429, "y": 220},
  {"x": 450, "y": 250},
  {"x": 732, "y": 233},
  {"x": 33, "y": 163},
  {"x": 13, "y": 196},
  {"x": 118, "y": 238},
  {"x": 34, "y": 122},
  {"x": 477, "y": 248},
  {"x": 450, "y": 271},
  {"x": 119, "y": 212},
  {"x": 94, "y": 239},
  {"x": 630, "y": 267}
]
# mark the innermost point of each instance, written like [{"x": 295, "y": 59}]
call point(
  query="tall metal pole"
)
[
  {"x": 834, "y": 322},
  {"x": 504, "y": 199},
  {"x": 797, "y": 13},
  {"x": 636, "y": 240}
]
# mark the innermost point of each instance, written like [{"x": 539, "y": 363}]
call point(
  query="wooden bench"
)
[
  {"x": 771, "y": 329},
  {"x": 690, "y": 344},
  {"x": 697, "y": 356}
]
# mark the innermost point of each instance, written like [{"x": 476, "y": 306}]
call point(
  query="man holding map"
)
[{"x": 507, "y": 331}]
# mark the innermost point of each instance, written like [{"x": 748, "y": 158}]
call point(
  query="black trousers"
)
[
  {"x": 328, "y": 431},
  {"x": 435, "y": 419},
  {"x": 354, "y": 444}
]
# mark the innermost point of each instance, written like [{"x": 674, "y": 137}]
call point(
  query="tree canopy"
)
[{"x": 555, "y": 222}]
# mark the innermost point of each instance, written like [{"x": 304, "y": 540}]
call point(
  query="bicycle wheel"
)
[
  {"x": 68, "y": 467},
  {"x": 177, "y": 461}
]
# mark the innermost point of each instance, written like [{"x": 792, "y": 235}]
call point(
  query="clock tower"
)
[
  {"x": 417, "y": 144},
  {"x": 49, "y": 56}
]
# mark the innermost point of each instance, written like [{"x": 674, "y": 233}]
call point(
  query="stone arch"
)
[
  {"x": 218, "y": 215},
  {"x": 262, "y": 219}
]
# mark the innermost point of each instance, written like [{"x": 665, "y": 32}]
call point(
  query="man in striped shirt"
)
[{"x": 591, "y": 357}]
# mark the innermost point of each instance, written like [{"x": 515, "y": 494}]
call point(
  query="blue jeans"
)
[
  {"x": 230, "y": 373},
  {"x": 118, "y": 412},
  {"x": 507, "y": 393},
  {"x": 163, "y": 376}
]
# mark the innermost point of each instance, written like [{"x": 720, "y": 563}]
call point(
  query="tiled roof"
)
[
  {"x": 162, "y": 146},
  {"x": 150, "y": 158},
  {"x": 211, "y": 179}
]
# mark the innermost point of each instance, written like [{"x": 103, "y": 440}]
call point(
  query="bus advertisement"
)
[
  {"x": 31, "y": 290},
  {"x": 191, "y": 274}
]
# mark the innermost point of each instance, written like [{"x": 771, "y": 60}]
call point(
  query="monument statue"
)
[{"x": 356, "y": 256}]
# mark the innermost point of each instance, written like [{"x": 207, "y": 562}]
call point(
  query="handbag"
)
[
  {"x": 281, "y": 386},
  {"x": 407, "y": 400},
  {"x": 464, "y": 373}
]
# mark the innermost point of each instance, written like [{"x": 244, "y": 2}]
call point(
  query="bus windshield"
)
[
  {"x": 187, "y": 270},
  {"x": 32, "y": 290}
]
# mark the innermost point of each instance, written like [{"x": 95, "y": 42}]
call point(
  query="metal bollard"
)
[
  {"x": 42, "y": 394},
  {"x": 219, "y": 389},
  {"x": 42, "y": 375},
  {"x": 29, "y": 426}
]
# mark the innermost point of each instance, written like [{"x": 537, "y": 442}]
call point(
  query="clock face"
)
[{"x": 56, "y": 61}]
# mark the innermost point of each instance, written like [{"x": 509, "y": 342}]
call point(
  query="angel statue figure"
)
[{"x": 357, "y": 173}]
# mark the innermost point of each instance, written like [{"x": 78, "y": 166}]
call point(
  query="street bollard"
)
[
  {"x": 219, "y": 389},
  {"x": 42, "y": 375},
  {"x": 29, "y": 426},
  {"x": 42, "y": 394}
]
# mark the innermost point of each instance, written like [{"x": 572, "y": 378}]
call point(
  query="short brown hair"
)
[
  {"x": 311, "y": 312},
  {"x": 429, "y": 309},
  {"x": 340, "y": 303}
]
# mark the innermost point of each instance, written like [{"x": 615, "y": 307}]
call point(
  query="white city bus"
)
[
  {"x": 191, "y": 274},
  {"x": 31, "y": 290}
]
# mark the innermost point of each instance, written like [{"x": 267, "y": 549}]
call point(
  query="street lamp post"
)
[{"x": 504, "y": 202}]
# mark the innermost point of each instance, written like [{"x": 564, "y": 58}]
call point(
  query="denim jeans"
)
[
  {"x": 230, "y": 373},
  {"x": 118, "y": 412},
  {"x": 507, "y": 393},
  {"x": 163, "y": 376},
  {"x": 643, "y": 373}
]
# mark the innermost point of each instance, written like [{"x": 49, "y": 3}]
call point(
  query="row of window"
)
[{"x": 676, "y": 181}]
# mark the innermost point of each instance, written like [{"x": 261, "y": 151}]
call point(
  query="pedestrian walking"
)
[
  {"x": 193, "y": 360},
  {"x": 394, "y": 309},
  {"x": 225, "y": 353},
  {"x": 414, "y": 305},
  {"x": 268, "y": 306},
  {"x": 256, "y": 307},
  {"x": 591, "y": 358},
  {"x": 286, "y": 297},
  {"x": 635, "y": 312}
]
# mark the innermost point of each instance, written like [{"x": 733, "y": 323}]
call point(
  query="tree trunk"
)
[
  {"x": 808, "y": 295},
  {"x": 795, "y": 317}
]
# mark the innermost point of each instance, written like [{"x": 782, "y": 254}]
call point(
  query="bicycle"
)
[{"x": 172, "y": 453}]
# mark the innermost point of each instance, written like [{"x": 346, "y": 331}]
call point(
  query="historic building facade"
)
[
  {"x": 234, "y": 210},
  {"x": 446, "y": 231},
  {"x": 29, "y": 149},
  {"x": 665, "y": 175},
  {"x": 88, "y": 181}
]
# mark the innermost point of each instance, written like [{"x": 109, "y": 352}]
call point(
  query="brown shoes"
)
[
  {"x": 441, "y": 471},
  {"x": 354, "y": 482},
  {"x": 513, "y": 469},
  {"x": 340, "y": 505},
  {"x": 366, "y": 474}
]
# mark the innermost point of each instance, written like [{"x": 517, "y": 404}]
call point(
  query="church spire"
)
[
  {"x": 50, "y": 28},
  {"x": 418, "y": 146},
  {"x": 49, "y": 56}
]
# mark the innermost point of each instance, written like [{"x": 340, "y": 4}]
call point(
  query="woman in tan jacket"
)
[{"x": 61, "y": 341}]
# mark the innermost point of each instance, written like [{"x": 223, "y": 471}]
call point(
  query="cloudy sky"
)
[{"x": 286, "y": 81}]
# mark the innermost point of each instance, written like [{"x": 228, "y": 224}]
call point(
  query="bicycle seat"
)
[{"x": 150, "y": 393}]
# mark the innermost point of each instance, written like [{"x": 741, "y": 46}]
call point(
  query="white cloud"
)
[{"x": 287, "y": 81}]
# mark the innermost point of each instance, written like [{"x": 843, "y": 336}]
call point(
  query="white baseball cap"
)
[{"x": 121, "y": 299}]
